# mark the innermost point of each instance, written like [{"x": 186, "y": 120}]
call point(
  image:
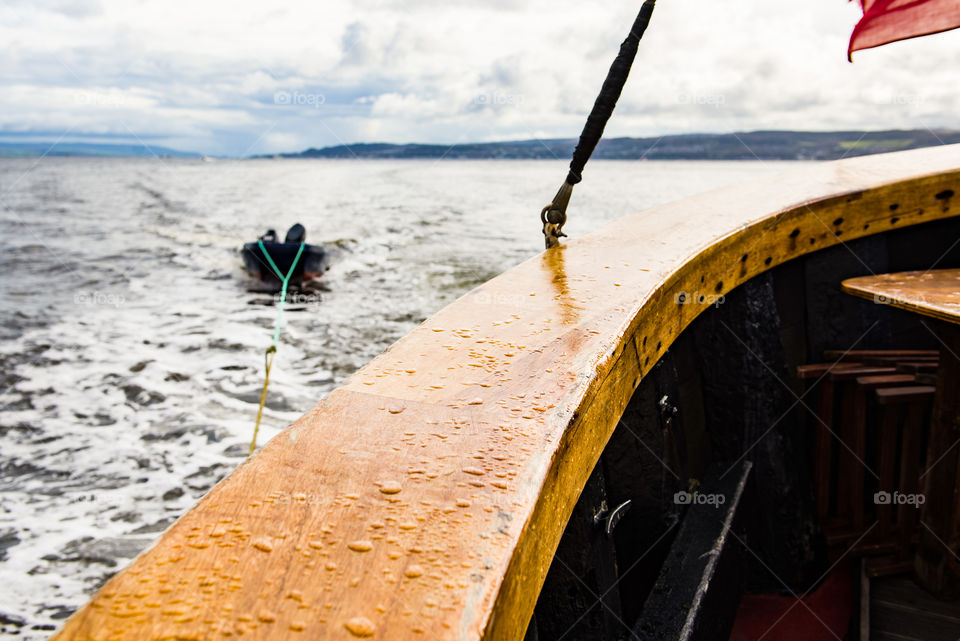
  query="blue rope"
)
[
  {"x": 272, "y": 350},
  {"x": 283, "y": 289}
]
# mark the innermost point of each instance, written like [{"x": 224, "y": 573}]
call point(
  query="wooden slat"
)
[
  {"x": 852, "y": 431},
  {"x": 889, "y": 423},
  {"x": 425, "y": 497},
  {"x": 905, "y": 394},
  {"x": 870, "y": 546},
  {"x": 893, "y": 360},
  {"x": 888, "y": 565},
  {"x": 864, "y": 601},
  {"x": 850, "y": 373},
  {"x": 892, "y": 380},
  {"x": 865, "y": 384},
  {"x": 910, "y": 455},
  {"x": 862, "y": 354},
  {"x": 851, "y": 459},
  {"x": 938, "y": 553},
  {"x": 851, "y": 450},
  {"x": 902, "y": 594},
  {"x": 698, "y": 591},
  {"x": 917, "y": 367},
  {"x": 816, "y": 370},
  {"x": 901, "y": 610},
  {"x": 823, "y": 449}
]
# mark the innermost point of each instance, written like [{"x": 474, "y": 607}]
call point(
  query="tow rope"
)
[
  {"x": 554, "y": 215},
  {"x": 272, "y": 350}
]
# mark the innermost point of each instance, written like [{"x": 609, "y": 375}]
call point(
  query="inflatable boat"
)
[{"x": 311, "y": 264}]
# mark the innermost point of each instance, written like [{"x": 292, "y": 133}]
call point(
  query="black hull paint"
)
[
  {"x": 312, "y": 264},
  {"x": 724, "y": 394}
]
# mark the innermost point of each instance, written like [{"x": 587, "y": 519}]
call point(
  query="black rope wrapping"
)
[{"x": 609, "y": 94}]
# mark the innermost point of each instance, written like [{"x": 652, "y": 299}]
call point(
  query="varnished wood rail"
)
[{"x": 424, "y": 498}]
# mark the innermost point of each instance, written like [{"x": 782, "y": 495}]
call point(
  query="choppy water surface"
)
[{"x": 131, "y": 350}]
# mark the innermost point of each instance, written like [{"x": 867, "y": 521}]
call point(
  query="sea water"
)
[{"x": 131, "y": 344}]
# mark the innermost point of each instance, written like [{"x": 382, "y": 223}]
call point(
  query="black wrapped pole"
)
[{"x": 554, "y": 215}]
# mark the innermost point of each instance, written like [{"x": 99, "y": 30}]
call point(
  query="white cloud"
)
[{"x": 208, "y": 74}]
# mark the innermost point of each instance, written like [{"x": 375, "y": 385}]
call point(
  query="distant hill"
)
[
  {"x": 763, "y": 145},
  {"x": 35, "y": 149},
  {"x": 753, "y": 145}
]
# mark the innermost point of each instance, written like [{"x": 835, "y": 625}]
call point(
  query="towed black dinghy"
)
[{"x": 311, "y": 264}]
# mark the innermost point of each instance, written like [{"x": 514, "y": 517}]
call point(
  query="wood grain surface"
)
[{"x": 934, "y": 293}]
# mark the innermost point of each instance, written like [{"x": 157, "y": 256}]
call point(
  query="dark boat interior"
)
[{"x": 798, "y": 406}]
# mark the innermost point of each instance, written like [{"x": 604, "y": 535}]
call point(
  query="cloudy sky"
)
[{"x": 239, "y": 78}]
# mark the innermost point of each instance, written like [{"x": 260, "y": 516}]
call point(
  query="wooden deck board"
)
[
  {"x": 424, "y": 499},
  {"x": 899, "y": 609}
]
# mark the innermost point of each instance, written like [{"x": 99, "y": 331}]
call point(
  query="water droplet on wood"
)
[
  {"x": 360, "y": 627},
  {"x": 390, "y": 487},
  {"x": 360, "y": 546}
]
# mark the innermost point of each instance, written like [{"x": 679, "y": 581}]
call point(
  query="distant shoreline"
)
[
  {"x": 88, "y": 150},
  {"x": 754, "y": 145}
]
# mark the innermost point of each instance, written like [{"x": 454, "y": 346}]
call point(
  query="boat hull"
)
[
  {"x": 310, "y": 266},
  {"x": 431, "y": 493}
]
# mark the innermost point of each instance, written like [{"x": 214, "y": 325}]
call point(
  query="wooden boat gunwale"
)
[{"x": 547, "y": 354}]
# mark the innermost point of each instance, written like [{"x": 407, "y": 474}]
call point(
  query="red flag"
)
[{"x": 890, "y": 20}]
